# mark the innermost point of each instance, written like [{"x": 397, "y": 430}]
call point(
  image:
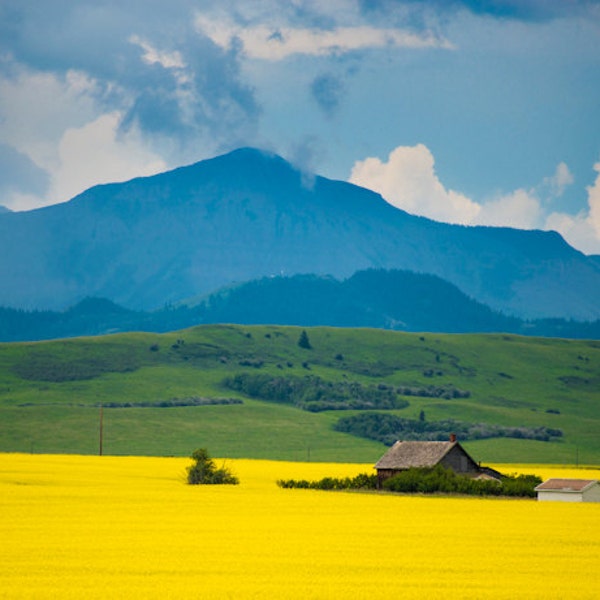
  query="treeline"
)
[
  {"x": 392, "y": 299},
  {"x": 387, "y": 428},
  {"x": 427, "y": 480},
  {"x": 174, "y": 402},
  {"x": 315, "y": 394}
]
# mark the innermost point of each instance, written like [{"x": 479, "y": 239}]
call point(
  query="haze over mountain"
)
[{"x": 250, "y": 214}]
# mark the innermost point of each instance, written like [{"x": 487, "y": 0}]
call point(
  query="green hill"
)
[{"x": 253, "y": 391}]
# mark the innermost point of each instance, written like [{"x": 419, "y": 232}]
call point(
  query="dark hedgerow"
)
[
  {"x": 315, "y": 394},
  {"x": 445, "y": 481},
  {"x": 387, "y": 428},
  {"x": 426, "y": 481},
  {"x": 362, "y": 481}
]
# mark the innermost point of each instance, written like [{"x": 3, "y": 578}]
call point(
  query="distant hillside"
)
[
  {"x": 250, "y": 214},
  {"x": 399, "y": 300},
  {"x": 291, "y": 393}
]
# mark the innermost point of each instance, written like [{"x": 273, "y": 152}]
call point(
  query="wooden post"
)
[{"x": 101, "y": 427}]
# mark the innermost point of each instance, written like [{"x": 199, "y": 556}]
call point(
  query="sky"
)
[{"x": 473, "y": 112}]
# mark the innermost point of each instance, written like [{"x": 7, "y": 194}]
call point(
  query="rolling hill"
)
[{"x": 253, "y": 391}]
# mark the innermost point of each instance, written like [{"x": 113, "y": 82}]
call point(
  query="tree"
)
[
  {"x": 204, "y": 470},
  {"x": 303, "y": 341}
]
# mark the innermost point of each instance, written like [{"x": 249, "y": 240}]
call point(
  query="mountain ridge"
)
[
  {"x": 393, "y": 300},
  {"x": 250, "y": 214}
]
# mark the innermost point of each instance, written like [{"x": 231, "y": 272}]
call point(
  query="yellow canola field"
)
[{"x": 129, "y": 527}]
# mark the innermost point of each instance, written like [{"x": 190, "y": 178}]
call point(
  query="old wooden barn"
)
[{"x": 451, "y": 455}]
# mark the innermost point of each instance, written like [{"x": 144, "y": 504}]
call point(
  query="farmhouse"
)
[
  {"x": 451, "y": 455},
  {"x": 569, "y": 490}
]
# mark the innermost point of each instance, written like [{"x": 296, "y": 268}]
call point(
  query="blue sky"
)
[{"x": 467, "y": 112}]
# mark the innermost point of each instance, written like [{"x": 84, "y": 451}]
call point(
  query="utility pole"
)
[{"x": 101, "y": 427}]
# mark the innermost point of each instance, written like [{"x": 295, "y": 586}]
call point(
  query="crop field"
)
[{"x": 114, "y": 527}]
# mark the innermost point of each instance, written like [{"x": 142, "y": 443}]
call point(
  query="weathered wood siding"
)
[{"x": 459, "y": 461}]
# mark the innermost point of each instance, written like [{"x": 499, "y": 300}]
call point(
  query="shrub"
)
[{"x": 204, "y": 471}]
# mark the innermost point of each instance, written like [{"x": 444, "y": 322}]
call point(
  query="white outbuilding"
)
[{"x": 569, "y": 490}]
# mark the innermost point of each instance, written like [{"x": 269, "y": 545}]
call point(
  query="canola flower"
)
[{"x": 127, "y": 527}]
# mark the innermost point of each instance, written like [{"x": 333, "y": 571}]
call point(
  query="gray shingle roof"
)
[{"x": 404, "y": 455}]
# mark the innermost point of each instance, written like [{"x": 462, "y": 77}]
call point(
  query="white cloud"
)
[
  {"x": 520, "y": 209},
  {"x": 36, "y": 108},
  {"x": 581, "y": 230},
  {"x": 276, "y": 43},
  {"x": 92, "y": 154},
  {"x": 560, "y": 180},
  {"x": 55, "y": 122},
  {"x": 408, "y": 181},
  {"x": 96, "y": 153}
]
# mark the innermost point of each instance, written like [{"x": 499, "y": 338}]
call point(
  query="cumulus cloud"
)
[
  {"x": 520, "y": 208},
  {"x": 581, "y": 230},
  {"x": 98, "y": 152},
  {"x": 408, "y": 181}
]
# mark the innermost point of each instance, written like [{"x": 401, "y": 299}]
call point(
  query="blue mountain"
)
[{"x": 250, "y": 214}]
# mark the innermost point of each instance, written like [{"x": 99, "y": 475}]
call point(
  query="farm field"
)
[{"x": 111, "y": 527}]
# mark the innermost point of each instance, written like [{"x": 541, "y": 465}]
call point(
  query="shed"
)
[
  {"x": 569, "y": 490},
  {"x": 405, "y": 455}
]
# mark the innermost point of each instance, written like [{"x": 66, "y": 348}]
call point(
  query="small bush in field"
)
[{"x": 204, "y": 471}]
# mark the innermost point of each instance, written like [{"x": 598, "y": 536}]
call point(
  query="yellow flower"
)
[{"x": 126, "y": 527}]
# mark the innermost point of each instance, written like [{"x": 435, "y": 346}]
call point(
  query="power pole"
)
[{"x": 101, "y": 427}]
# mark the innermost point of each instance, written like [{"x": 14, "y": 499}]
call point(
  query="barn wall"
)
[
  {"x": 383, "y": 474},
  {"x": 593, "y": 494},
  {"x": 554, "y": 496},
  {"x": 459, "y": 461}
]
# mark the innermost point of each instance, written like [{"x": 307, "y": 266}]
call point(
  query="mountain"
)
[
  {"x": 398, "y": 300},
  {"x": 394, "y": 299},
  {"x": 250, "y": 214}
]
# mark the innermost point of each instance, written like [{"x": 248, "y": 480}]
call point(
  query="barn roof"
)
[
  {"x": 404, "y": 455},
  {"x": 565, "y": 485}
]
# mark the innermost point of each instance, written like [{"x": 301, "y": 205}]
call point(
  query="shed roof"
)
[
  {"x": 565, "y": 485},
  {"x": 404, "y": 455}
]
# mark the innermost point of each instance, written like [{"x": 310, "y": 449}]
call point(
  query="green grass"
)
[{"x": 50, "y": 391}]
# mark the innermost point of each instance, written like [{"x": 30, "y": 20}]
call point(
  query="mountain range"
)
[{"x": 250, "y": 214}]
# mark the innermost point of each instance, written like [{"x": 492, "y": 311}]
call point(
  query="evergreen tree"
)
[{"x": 303, "y": 341}]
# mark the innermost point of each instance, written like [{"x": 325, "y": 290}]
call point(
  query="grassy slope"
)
[{"x": 513, "y": 381}]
